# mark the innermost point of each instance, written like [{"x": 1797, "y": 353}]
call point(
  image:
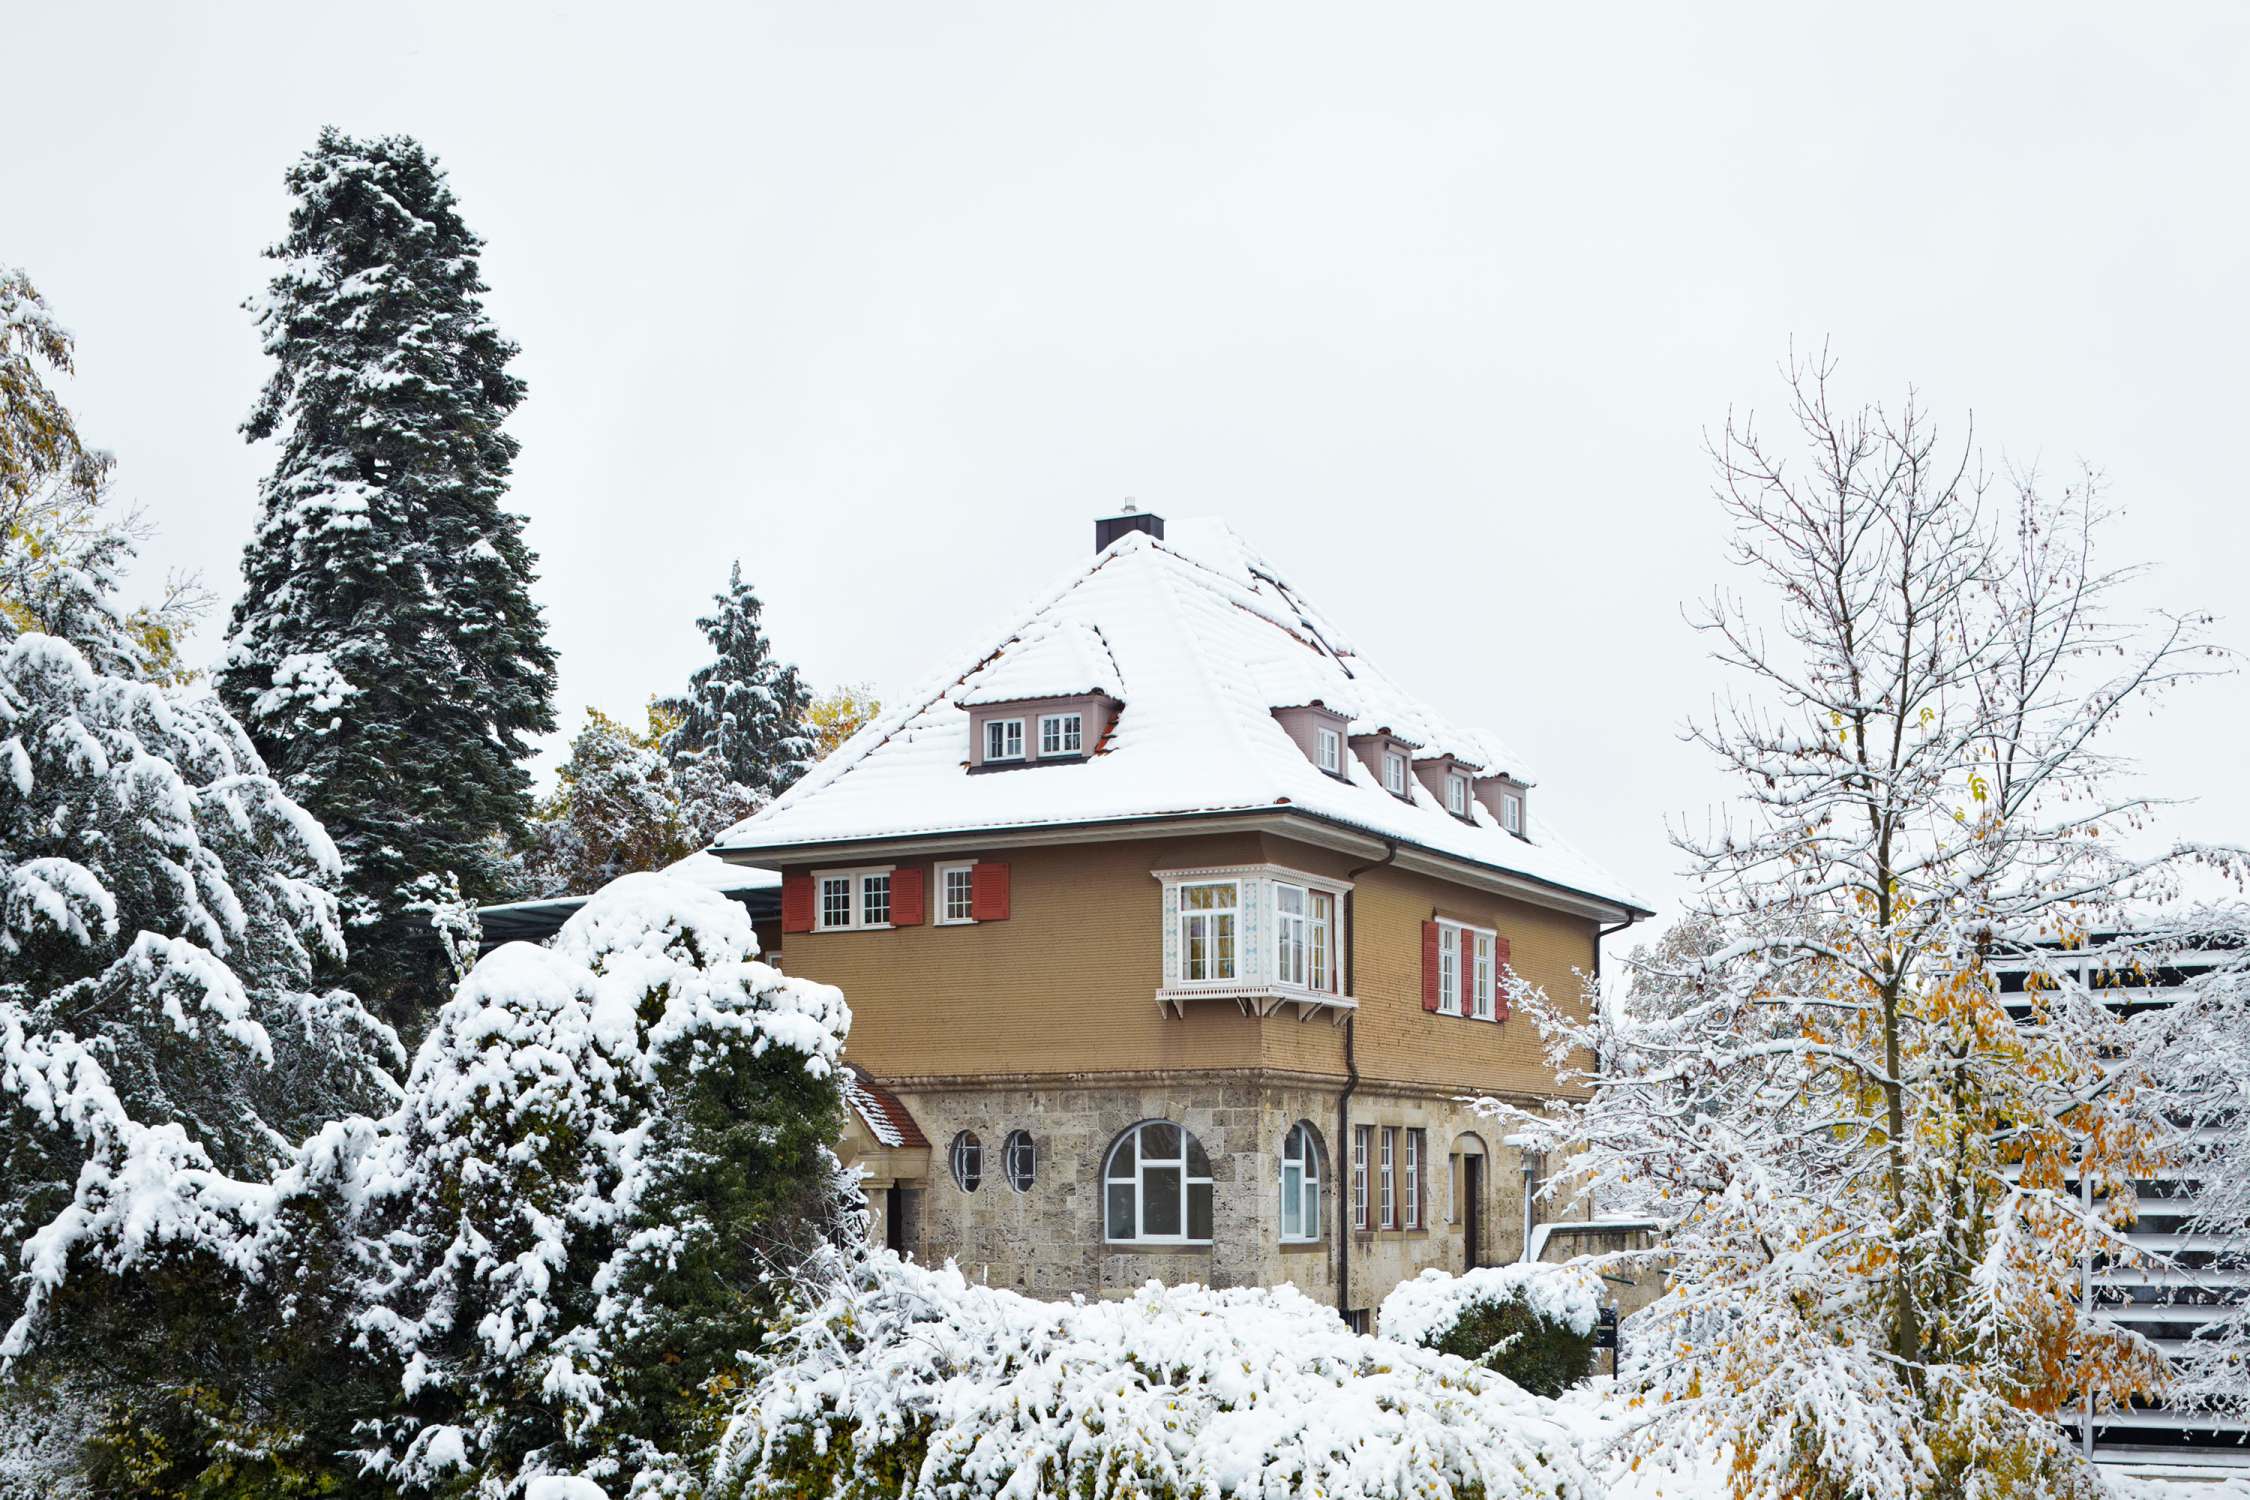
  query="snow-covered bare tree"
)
[
  {"x": 386, "y": 655},
  {"x": 741, "y": 738},
  {"x": 2201, "y": 1064},
  {"x": 1881, "y": 1171}
]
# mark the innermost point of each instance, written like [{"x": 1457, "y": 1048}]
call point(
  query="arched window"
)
[
  {"x": 1300, "y": 1184},
  {"x": 1156, "y": 1187},
  {"x": 1019, "y": 1159},
  {"x": 968, "y": 1161}
]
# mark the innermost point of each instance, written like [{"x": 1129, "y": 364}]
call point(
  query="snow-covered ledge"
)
[{"x": 1263, "y": 936}]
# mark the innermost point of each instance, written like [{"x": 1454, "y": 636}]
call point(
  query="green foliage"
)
[
  {"x": 1546, "y": 1358},
  {"x": 386, "y": 655}
]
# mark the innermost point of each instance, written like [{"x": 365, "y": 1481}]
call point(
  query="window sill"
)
[
  {"x": 1301, "y": 1247},
  {"x": 1156, "y": 1247},
  {"x": 866, "y": 927}
]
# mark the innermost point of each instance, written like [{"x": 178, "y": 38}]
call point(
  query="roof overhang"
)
[{"x": 1289, "y": 822}]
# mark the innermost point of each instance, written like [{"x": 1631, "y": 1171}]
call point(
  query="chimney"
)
[{"x": 1108, "y": 529}]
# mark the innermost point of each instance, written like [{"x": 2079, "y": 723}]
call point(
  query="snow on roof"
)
[
  {"x": 880, "y": 1110},
  {"x": 1050, "y": 658},
  {"x": 1204, "y": 639}
]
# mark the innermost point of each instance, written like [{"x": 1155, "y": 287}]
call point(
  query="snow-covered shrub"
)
[
  {"x": 604, "y": 1149},
  {"x": 906, "y": 1383},
  {"x": 1533, "y": 1323}
]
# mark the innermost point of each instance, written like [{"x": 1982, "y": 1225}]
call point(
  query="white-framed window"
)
[
  {"x": 1019, "y": 1160},
  {"x": 1361, "y": 1137},
  {"x": 835, "y": 901},
  {"x": 1156, "y": 1187},
  {"x": 1448, "y": 969},
  {"x": 1414, "y": 1179},
  {"x": 1003, "y": 739},
  {"x": 1482, "y": 978},
  {"x": 1300, "y": 1185},
  {"x": 1330, "y": 747},
  {"x": 956, "y": 893},
  {"x": 1389, "y": 1200},
  {"x": 967, "y": 1160},
  {"x": 1511, "y": 812},
  {"x": 1304, "y": 925},
  {"x": 1456, "y": 794},
  {"x": 1208, "y": 912},
  {"x": 852, "y": 899},
  {"x": 1394, "y": 773},
  {"x": 1062, "y": 734}
]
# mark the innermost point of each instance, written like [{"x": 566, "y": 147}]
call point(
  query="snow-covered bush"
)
[
  {"x": 1533, "y": 1323},
  {"x": 604, "y": 1149},
  {"x": 906, "y": 1383}
]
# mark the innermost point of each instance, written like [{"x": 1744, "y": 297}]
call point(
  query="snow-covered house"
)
[{"x": 1182, "y": 932}]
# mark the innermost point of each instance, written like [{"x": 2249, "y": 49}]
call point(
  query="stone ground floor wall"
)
[{"x": 1048, "y": 1240}]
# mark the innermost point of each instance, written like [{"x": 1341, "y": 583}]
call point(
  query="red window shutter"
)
[
  {"x": 1500, "y": 978},
  {"x": 988, "y": 892},
  {"x": 1429, "y": 965},
  {"x": 796, "y": 903},
  {"x": 906, "y": 896}
]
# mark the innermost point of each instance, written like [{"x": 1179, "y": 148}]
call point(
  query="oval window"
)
[
  {"x": 1019, "y": 1158},
  {"x": 968, "y": 1161}
]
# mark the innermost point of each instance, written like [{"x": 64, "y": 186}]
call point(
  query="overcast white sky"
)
[{"x": 1433, "y": 303}]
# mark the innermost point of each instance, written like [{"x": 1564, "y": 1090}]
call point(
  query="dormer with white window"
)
[
  {"x": 1389, "y": 760},
  {"x": 1505, "y": 797},
  {"x": 1449, "y": 780},
  {"x": 1048, "y": 697},
  {"x": 1321, "y": 732}
]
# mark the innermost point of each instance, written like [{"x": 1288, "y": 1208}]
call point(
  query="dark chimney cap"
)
[{"x": 1131, "y": 517}]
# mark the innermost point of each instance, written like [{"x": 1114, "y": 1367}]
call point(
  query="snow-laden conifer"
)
[
  {"x": 1884, "y": 1170},
  {"x": 386, "y": 655},
  {"x": 742, "y": 735}
]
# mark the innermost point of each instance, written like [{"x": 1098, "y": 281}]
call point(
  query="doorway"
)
[{"x": 1472, "y": 1211}]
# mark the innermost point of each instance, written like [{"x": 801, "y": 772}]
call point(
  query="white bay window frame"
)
[{"x": 1286, "y": 931}]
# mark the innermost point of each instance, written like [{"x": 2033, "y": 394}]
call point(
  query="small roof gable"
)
[
  {"x": 1201, "y": 639},
  {"x": 879, "y": 1110},
  {"x": 1049, "y": 658}
]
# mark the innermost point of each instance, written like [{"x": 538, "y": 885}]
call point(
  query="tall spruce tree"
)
[
  {"x": 742, "y": 736},
  {"x": 386, "y": 656}
]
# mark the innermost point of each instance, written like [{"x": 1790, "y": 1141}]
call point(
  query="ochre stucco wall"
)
[{"x": 1067, "y": 984}]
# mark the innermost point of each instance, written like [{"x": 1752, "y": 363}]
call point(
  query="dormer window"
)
[
  {"x": 1060, "y": 731},
  {"x": 1003, "y": 739},
  {"x": 1317, "y": 730},
  {"x": 1511, "y": 812},
  {"x": 1394, "y": 773},
  {"x": 1457, "y": 794},
  {"x": 1060, "y": 734},
  {"x": 1331, "y": 756}
]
